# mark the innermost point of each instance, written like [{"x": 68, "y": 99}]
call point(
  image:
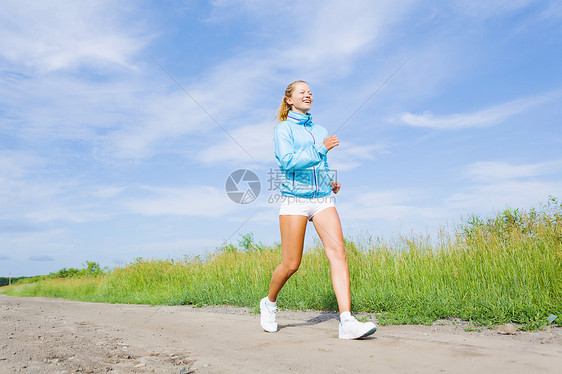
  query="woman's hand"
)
[
  {"x": 331, "y": 142},
  {"x": 335, "y": 186}
]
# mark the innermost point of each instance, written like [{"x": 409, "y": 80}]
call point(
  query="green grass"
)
[{"x": 489, "y": 271}]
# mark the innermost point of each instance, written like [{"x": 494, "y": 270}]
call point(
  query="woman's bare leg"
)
[
  {"x": 328, "y": 226},
  {"x": 292, "y": 242}
]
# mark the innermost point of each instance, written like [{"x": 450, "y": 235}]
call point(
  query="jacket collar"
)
[{"x": 299, "y": 119}]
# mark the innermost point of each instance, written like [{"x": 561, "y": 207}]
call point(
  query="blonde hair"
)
[{"x": 283, "y": 111}]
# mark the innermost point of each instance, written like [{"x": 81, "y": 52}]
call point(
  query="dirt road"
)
[{"x": 40, "y": 335}]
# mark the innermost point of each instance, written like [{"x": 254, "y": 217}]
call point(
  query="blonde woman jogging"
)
[{"x": 301, "y": 148}]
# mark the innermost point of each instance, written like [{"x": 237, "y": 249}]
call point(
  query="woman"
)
[{"x": 301, "y": 149}]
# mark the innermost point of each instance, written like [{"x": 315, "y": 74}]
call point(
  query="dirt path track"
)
[{"x": 40, "y": 335}]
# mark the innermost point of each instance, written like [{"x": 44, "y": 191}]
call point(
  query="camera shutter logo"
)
[{"x": 243, "y": 186}]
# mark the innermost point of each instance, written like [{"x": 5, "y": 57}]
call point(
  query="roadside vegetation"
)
[{"x": 506, "y": 268}]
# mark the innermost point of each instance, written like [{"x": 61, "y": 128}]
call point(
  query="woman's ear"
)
[{"x": 289, "y": 101}]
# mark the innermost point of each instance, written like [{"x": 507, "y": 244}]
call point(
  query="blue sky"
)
[{"x": 104, "y": 157}]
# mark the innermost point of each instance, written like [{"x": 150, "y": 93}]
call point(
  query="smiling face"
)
[{"x": 301, "y": 98}]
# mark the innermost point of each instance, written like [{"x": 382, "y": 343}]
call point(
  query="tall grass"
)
[{"x": 506, "y": 268}]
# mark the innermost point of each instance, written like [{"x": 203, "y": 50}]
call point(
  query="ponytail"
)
[{"x": 283, "y": 111}]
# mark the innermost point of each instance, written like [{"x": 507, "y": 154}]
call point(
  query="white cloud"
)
[
  {"x": 60, "y": 210},
  {"x": 389, "y": 205},
  {"x": 16, "y": 193},
  {"x": 324, "y": 50},
  {"x": 200, "y": 201},
  {"x": 490, "y": 198},
  {"x": 486, "y": 171},
  {"x": 485, "y": 8},
  {"x": 251, "y": 140},
  {"x": 499, "y": 184},
  {"x": 487, "y": 117},
  {"x": 16, "y": 164},
  {"x": 21, "y": 246},
  {"x": 119, "y": 116},
  {"x": 352, "y": 155},
  {"x": 105, "y": 192},
  {"x": 136, "y": 117},
  {"x": 56, "y": 35},
  {"x": 117, "y": 119},
  {"x": 36, "y": 199},
  {"x": 552, "y": 11},
  {"x": 51, "y": 107},
  {"x": 268, "y": 216},
  {"x": 41, "y": 258},
  {"x": 157, "y": 122},
  {"x": 339, "y": 33},
  {"x": 121, "y": 119}
]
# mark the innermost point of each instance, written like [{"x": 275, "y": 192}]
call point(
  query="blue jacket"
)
[{"x": 302, "y": 157}]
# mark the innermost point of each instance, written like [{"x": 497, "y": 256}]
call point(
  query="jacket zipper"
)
[{"x": 313, "y": 168}]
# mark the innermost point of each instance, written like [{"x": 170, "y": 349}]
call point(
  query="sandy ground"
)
[{"x": 41, "y": 335}]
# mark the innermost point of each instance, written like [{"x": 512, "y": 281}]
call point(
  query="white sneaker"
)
[
  {"x": 353, "y": 329},
  {"x": 268, "y": 317}
]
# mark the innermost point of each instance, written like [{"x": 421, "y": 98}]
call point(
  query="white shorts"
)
[{"x": 299, "y": 206}]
